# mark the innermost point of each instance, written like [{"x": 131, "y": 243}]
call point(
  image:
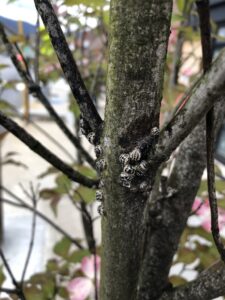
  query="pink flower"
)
[
  {"x": 202, "y": 209},
  {"x": 82, "y": 287}
]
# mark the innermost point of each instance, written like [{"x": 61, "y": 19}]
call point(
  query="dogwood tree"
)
[{"x": 143, "y": 213}]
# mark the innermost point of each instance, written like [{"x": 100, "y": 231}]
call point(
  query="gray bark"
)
[
  {"x": 209, "y": 285},
  {"x": 166, "y": 216},
  {"x": 138, "y": 45}
]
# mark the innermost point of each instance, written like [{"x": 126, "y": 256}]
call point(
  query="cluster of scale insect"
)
[
  {"x": 135, "y": 167},
  {"x": 100, "y": 166},
  {"x": 100, "y": 161}
]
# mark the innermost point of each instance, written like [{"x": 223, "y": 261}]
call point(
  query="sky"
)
[{"x": 23, "y": 10}]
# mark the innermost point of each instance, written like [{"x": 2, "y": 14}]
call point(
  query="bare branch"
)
[
  {"x": 209, "y": 89},
  {"x": 204, "y": 17},
  {"x": 38, "y": 148},
  {"x": 36, "y": 90},
  {"x": 68, "y": 64},
  {"x": 18, "y": 289},
  {"x": 209, "y": 285},
  {"x": 34, "y": 200}
]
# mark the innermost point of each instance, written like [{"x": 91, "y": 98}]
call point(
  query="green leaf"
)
[
  {"x": 64, "y": 270},
  {"x": 177, "y": 280},
  {"x": 47, "y": 194},
  {"x": 49, "y": 171},
  {"x": 52, "y": 265},
  {"x": 63, "y": 293},
  {"x": 47, "y": 283},
  {"x": 48, "y": 288},
  {"x": 63, "y": 184},
  {"x": 186, "y": 255},
  {"x": 76, "y": 256},
  {"x": 34, "y": 293},
  {"x": 62, "y": 248},
  {"x": 84, "y": 193},
  {"x": 86, "y": 171}
]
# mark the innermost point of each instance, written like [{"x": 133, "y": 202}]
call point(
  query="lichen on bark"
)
[{"x": 138, "y": 45}]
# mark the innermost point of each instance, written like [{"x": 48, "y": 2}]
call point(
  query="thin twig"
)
[
  {"x": 15, "y": 283},
  {"x": 204, "y": 17},
  {"x": 68, "y": 64},
  {"x": 23, "y": 204},
  {"x": 42, "y": 151},
  {"x": 32, "y": 238}
]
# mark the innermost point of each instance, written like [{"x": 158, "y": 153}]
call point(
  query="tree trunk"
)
[{"x": 138, "y": 45}]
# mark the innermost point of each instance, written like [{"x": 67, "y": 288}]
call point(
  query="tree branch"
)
[
  {"x": 209, "y": 89},
  {"x": 31, "y": 245},
  {"x": 209, "y": 285},
  {"x": 18, "y": 289},
  {"x": 166, "y": 215},
  {"x": 204, "y": 17},
  {"x": 38, "y": 148},
  {"x": 36, "y": 90},
  {"x": 67, "y": 62}
]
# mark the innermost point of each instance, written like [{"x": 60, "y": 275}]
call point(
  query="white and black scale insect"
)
[{"x": 101, "y": 165}]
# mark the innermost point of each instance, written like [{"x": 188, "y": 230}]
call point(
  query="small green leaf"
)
[
  {"x": 186, "y": 256},
  {"x": 34, "y": 293},
  {"x": 63, "y": 184},
  {"x": 62, "y": 248},
  {"x": 52, "y": 265},
  {"x": 47, "y": 194},
  {"x": 76, "y": 256},
  {"x": 177, "y": 280},
  {"x": 85, "y": 194},
  {"x": 50, "y": 171},
  {"x": 86, "y": 171}
]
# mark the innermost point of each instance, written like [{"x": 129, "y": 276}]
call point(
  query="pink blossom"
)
[
  {"x": 202, "y": 209},
  {"x": 82, "y": 287},
  {"x": 87, "y": 266},
  {"x": 79, "y": 288}
]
